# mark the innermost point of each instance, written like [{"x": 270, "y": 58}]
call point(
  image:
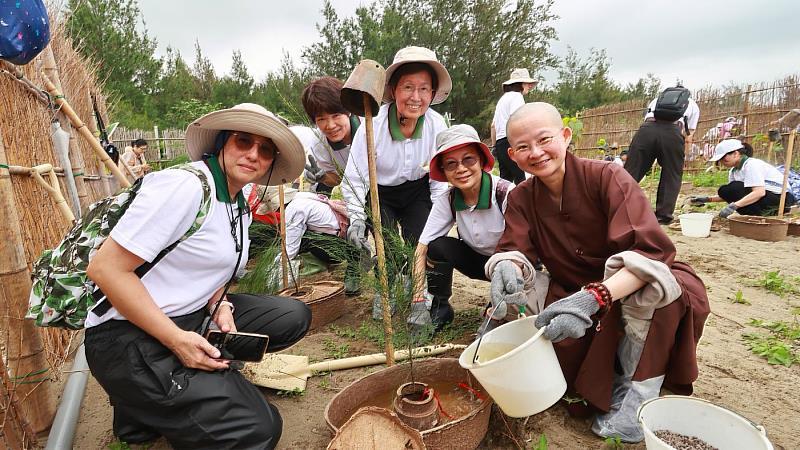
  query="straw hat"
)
[
  {"x": 453, "y": 138},
  {"x": 519, "y": 76},
  {"x": 255, "y": 119},
  {"x": 272, "y": 199},
  {"x": 422, "y": 55},
  {"x": 725, "y": 147}
]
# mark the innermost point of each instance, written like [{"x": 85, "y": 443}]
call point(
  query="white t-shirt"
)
[
  {"x": 307, "y": 137},
  {"x": 481, "y": 229},
  {"x": 328, "y": 159},
  {"x": 396, "y": 161},
  {"x": 692, "y": 113},
  {"x": 756, "y": 172},
  {"x": 306, "y": 211},
  {"x": 508, "y": 103},
  {"x": 186, "y": 278}
]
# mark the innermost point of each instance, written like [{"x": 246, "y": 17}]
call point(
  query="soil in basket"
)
[{"x": 683, "y": 442}]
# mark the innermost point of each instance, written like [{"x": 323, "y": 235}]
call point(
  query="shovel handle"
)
[{"x": 380, "y": 358}]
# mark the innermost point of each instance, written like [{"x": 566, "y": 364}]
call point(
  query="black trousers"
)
[
  {"x": 765, "y": 206},
  {"x": 447, "y": 253},
  {"x": 332, "y": 250},
  {"x": 322, "y": 188},
  {"x": 509, "y": 170},
  {"x": 153, "y": 394},
  {"x": 662, "y": 142}
]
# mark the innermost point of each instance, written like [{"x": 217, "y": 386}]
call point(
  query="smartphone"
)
[{"x": 239, "y": 346}]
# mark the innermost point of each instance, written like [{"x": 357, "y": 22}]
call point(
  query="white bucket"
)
[
  {"x": 696, "y": 224},
  {"x": 692, "y": 416},
  {"x": 524, "y": 381}
]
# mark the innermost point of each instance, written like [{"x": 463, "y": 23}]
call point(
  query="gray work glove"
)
[
  {"x": 568, "y": 317},
  {"x": 728, "y": 210},
  {"x": 507, "y": 287},
  {"x": 357, "y": 235},
  {"x": 698, "y": 200},
  {"x": 313, "y": 173},
  {"x": 419, "y": 317}
]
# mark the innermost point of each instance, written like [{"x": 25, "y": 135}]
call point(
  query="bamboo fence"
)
[
  {"x": 32, "y": 357},
  {"x": 754, "y": 106},
  {"x": 162, "y": 145}
]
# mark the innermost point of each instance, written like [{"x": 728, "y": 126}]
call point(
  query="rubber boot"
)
[{"x": 441, "y": 312}]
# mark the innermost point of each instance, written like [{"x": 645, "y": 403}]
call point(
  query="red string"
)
[
  {"x": 464, "y": 386},
  {"x": 439, "y": 403}
]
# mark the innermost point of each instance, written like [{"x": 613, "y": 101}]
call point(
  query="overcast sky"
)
[{"x": 699, "y": 41}]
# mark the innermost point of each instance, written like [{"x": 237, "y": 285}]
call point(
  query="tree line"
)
[{"x": 479, "y": 41}]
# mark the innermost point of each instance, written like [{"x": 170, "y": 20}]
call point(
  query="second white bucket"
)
[
  {"x": 526, "y": 378},
  {"x": 696, "y": 224}
]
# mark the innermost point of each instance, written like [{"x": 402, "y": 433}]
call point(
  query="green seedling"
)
[
  {"x": 571, "y": 400},
  {"x": 774, "y": 281},
  {"x": 294, "y": 393},
  {"x": 335, "y": 350},
  {"x": 738, "y": 298},
  {"x": 781, "y": 346},
  {"x": 345, "y": 332},
  {"x": 614, "y": 443},
  {"x": 541, "y": 444}
]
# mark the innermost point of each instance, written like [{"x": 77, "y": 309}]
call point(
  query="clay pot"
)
[
  {"x": 759, "y": 228},
  {"x": 325, "y": 298},
  {"x": 416, "y": 406}
]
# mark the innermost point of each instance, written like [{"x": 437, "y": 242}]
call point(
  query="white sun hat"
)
[
  {"x": 725, "y": 147},
  {"x": 254, "y": 119},
  {"x": 421, "y": 55},
  {"x": 519, "y": 76}
]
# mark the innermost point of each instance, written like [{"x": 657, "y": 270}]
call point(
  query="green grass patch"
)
[
  {"x": 777, "y": 283},
  {"x": 707, "y": 179},
  {"x": 780, "y": 345},
  {"x": 334, "y": 349}
]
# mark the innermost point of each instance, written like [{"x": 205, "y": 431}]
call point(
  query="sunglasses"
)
[
  {"x": 245, "y": 141},
  {"x": 451, "y": 164}
]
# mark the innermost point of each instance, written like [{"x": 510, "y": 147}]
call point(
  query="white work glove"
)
[
  {"x": 357, "y": 236},
  {"x": 419, "y": 317},
  {"x": 313, "y": 173},
  {"x": 507, "y": 288}
]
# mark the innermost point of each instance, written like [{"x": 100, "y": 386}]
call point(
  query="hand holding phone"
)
[{"x": 239, "y": 346}]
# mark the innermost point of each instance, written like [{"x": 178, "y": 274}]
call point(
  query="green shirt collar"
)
[
  {"x": 483, "y": 196},
  {"x": 354, "y": 124},
  {"x": 221, "y": 183},
  {"x": 741, "y": 162},
  {"x": 394, "y": 125}
]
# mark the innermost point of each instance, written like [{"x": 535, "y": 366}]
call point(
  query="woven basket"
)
[
  {"x": 794, "y": 227},
  {"x": 325, "y": 298},
  {"x": 759, "y": 228}
]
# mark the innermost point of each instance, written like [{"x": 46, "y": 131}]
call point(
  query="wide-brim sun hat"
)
[
  {"x": 520, "y": 76},
  {"x": 422, "y": 55},
  {"x": 255, "y": 119},
  {"x": 454, "y": 138},
  {"x": 271, "y": 197},
  {"x": 725, "y": 147}
]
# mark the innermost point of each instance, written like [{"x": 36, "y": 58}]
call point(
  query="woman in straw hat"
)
[
  {"x": 146, "y": 344},
  {"x": 754, "y": 186},
  {"x": 517, "y": 85},
  {"x": 475, "y": 203},
  {"x": 405, "y": 135}
]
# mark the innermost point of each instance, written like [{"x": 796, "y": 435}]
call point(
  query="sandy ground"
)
[{"x": 730, "y": 374}]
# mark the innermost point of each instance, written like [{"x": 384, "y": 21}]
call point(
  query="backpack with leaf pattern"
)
[{"x": 62, "y": 295}]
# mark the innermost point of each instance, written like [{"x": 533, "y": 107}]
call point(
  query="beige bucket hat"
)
[
  {"x": 520, "y": 76},
  {"x": 255, "y": 119},
  {"x": 422, "y": 55},
  {"x": 453, "y": 138}
]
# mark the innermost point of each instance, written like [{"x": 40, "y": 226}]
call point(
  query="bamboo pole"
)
[
  {"x": 769, "y": 152},
  {"x": 50, "y": 70},
  {"x": 378, "y": 228},
  {"x": 53, "y": 189},
  {"x": 25, "y": 358},
  {"x": 84, "y": 131},
  {"x": 284, "y": 254},
  {"x": 787, "y": 165}
]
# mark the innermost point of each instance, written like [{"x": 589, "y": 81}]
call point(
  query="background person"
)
[
  {"x": 665, "y": 142},
  {"x": 134, "y": 158},
  {"x": 517, "y": 85},
  {"x": 161, "y": 375},
  {"x": 405, "y": 140},
  {"x": 623, "y": 315},
  {"x": 335, "y": 130},
  {"x": 473, "y": 203},
  {"x": 754, "y": 186}
]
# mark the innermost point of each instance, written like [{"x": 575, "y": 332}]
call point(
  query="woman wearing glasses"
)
[
  {"x": 405, "y": 134},
  {"x": 145, "y": 345},
  {"x": 475, "y": 204}
]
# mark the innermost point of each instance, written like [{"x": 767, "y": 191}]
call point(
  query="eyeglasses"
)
[
  {"x": 451, "y": 164},
  {"x": 245, "y": 141},
  {"x": 409, "y": 89}
]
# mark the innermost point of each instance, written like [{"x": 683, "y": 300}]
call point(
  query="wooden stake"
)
[
  {"x": 787, "y": 165},
  {"x": 284, "y": 254},
  {"x": 23, "y": 345},
  {"x": 84, "y": 131},
  {"x": 769, "y": 152},
  {"x": 53, "y": 188},
  {"x": 378, "y": 229},
  {"x": 50, "y": 69}
]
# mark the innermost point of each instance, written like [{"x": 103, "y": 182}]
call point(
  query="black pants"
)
[
  {"x": 322, "y": 188},
  {"x": 153, "y": 394},
  {"x": 509, "y": 170},
  {"x": 447, "y": 253},
  {"x": 662, "y": 142},
  {"x": 332, "y": 250},
  {"x": 765, "y": 206}
]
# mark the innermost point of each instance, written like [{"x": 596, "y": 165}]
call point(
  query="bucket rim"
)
[
  {"x": 505, "y": 356},
  {"x": 646, "y": 429},
  {"x": 696, "y": 215}
]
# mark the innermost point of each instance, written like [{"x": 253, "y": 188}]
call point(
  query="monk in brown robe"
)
[{"x": 624, "y": 316}]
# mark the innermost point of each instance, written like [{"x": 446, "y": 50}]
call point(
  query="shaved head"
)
[{"x": 544, "y": 113}]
